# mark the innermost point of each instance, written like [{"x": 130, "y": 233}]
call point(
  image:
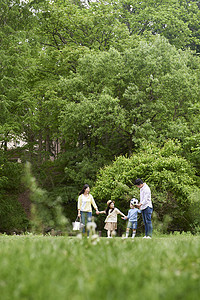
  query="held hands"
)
[
  {"x": 97, "y": 212},
  {"x": 124, "y": 218}
]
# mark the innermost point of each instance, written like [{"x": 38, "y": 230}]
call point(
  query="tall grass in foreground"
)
[{"x": 56, "y": 268}]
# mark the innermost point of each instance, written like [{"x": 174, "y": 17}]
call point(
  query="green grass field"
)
[{"x": 38, "y": 267}]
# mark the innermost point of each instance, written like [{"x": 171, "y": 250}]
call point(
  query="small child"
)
[
  {"x": 111, "y": 219},
  {"x": 132, "y": 217}
]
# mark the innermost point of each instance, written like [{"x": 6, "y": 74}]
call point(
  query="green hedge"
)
[{"x": 12, "y": 215}]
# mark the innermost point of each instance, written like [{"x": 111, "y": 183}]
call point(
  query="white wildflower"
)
[
  {"x": 95, "y": 239},
  {"x": 91, "y": 226},
  {"x": 79, "y": 236},
  {"x": 113, "y": 234}
]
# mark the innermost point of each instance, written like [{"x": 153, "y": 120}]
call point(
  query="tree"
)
[
  {"x": 175, "y": 20},
  {"x": 70, "y": 23},
  {"x": 123, "y": 98},
  {"x": 15, "y": 67}
]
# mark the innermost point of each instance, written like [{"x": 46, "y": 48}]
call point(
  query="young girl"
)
[{"x": 111, "y": 219}]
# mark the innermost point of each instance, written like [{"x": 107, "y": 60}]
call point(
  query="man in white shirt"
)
[{"x": 145, "y": 206}]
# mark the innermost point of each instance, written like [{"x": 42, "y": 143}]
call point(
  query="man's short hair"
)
[{"x": 138, "y": 181}]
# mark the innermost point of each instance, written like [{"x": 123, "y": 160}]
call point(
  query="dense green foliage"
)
[
  {"x": 46, "y": 214},
  {"x": 36, "y": 267},
  {"x": 82, "y": 83},
  {"x": 12, "y": 215},
  {"x": 174, "y": 185},
  {"x": 13, "y": 218}
]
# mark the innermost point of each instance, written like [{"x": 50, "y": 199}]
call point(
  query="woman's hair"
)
[
  {"x": 83, "y": 189},
  {"x": 108, "y": 207}
]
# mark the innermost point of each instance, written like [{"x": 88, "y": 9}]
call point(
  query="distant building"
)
[
  {"x": 17, "y": 148},
  {"x": 14, "y": 148}
]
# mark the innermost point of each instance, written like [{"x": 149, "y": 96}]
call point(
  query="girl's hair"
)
[
  {"x": 83, "y": 189},
  {"x": 108, "y": 207}
]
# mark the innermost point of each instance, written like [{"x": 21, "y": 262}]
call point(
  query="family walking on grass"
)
[{"x": 145, "y": 207}]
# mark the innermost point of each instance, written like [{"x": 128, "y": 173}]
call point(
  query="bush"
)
[
  {"x": 10, "y": 176},
  {"x": 171, "y": 178},
  {"x": 46, "y": 212},
  {"x": 12, "y": 215}
]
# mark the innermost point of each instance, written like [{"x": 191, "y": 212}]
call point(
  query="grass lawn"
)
[{"x": 56, "y": 268}]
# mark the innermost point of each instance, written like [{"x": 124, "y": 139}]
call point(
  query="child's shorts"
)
[{"x": 132, "y": 225}]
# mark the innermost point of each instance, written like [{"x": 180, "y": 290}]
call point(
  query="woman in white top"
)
[
  {"x": 111, "y": 219},
  {"x": 85, "y": 203}
]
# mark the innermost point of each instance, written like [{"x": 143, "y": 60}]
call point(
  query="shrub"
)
[
  {"x": 171, "y": 178},
  {"x": 12, "y": 215},
  {"x": 46, "y": 212}
]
